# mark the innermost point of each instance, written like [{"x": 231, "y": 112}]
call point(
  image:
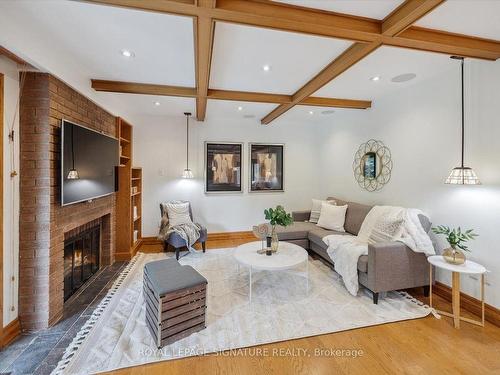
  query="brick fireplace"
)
[{"x": 44, "y": 223}]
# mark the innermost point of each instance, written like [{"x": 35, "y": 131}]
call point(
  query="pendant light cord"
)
[
  {"x": 463, "y": 114},
  {"x": 72, "y": 147},
  {"x": 187, "y": 141}
]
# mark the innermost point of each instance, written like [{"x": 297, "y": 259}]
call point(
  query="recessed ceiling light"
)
[
  {"x": 266, "y": 68},
  {"x": 311, "y": 112},
  {"x": 127, "y": 53},
  {"x": 403, "y": 77},
  {"x": 375, "y": 79},
  {"x": 157, "y": 103},
  {"x": 328, "y": 112},
  {"x": 240, "y": 108}
]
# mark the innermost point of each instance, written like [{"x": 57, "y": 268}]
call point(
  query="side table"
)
[{"x": 469, "y": 267}]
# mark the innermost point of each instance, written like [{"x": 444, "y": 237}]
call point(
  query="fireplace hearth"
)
[{"x": 81, "y": 258}]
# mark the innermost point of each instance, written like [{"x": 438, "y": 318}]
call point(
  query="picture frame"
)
[
  {"x": 223, "y": 167},
  {"x": 266, "y": 167}
]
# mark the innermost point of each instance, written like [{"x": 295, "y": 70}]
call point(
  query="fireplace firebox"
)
[{"x": 81, "y": 258}]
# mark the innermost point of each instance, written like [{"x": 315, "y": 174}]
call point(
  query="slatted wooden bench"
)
[{"x": 175, "y": 298}]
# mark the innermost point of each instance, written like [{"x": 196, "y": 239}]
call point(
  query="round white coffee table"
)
[
  {"x": 469, "y": 267},
  {"x": 287, "y": 257}
]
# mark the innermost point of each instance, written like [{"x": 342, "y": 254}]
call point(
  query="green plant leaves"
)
[
  {"x": 278, "y": 216},
  {"x": 455, "y": 237}
]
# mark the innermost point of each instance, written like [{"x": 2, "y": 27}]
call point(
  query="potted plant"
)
[
  {"x": 457, "y": 239},
  {"x": 277, "y": 216}
]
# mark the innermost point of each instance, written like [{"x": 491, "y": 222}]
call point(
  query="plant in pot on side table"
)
[
  {"x": 457, "y": 239},
  {"x": 277, "y": 216},
  {"x": 453, "y": 259}
]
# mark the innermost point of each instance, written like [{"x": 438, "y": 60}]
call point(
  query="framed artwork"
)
[
  {"x": 266, "y": 167},
  {"x": 223, "y": 167}
]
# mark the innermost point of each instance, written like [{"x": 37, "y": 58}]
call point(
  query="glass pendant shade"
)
[
  {"x": 188, "y": 173},
  {"x": 462, "y": 176},
  {"x": 73, "y": 174}
]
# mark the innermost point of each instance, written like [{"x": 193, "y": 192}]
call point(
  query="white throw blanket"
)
[{"x": 346, "y": 250}]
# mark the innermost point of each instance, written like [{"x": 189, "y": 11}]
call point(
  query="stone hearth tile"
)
[
  {"x": 10, "y": 353},
  {"x": 34, "y": 354}
]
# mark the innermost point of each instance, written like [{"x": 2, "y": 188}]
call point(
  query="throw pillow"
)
[
  {"x": 316, "y": 209},
  {"x": 178, "y": 213},
  {"x": 386, "y": 229},
  {"x": 332, "y": 217}
]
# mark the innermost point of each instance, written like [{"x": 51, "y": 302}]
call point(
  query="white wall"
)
[
  {"x": 160, "y": 149},
  {"x": 421, "y": 126},
  {"x": 11, "y": 191}
]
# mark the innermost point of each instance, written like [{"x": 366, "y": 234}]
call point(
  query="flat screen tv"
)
[{"x": 88, "y": 164}]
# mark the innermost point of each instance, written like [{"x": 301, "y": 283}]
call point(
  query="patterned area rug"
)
[{"x": 281, "y": 309}]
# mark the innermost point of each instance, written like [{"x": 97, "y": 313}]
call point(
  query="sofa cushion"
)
[
  {"x": 332, "y": 217},
  {"x": 363, "y": 263},
  {"x": 317, "y": 234},
  {"x": 355, "y": 216},
  {"x": 297, "y": 231}
]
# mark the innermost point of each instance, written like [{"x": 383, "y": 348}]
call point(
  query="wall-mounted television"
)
[{"x": 89, "y": 161}]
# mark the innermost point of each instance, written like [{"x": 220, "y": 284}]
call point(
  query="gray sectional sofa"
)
[{"x": 388, "y": 266}]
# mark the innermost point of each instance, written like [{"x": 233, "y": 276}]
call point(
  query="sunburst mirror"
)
[{"x": 372, "y": 165}]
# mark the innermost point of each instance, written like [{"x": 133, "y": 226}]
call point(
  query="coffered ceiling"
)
[
  {"x": 241, "y": 52},
  {"x": 81, "y": 41}
]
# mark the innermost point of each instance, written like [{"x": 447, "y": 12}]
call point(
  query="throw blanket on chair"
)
[
  {"x": 346, "y": 250},
  {"x": 183, "y": 226}
]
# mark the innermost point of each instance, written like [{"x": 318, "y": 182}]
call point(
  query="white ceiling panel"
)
[
  {"x": 377, "y": 9},
  {"x": 240, "y": 52},
  {"x": 312, "y": 115},
  {"x": 471, "y": 17},
  {"x": 386, "y": 63},
  {"x": 238, "y": 110},
  {"x": 94, "y": 35},
  {"x": 145, "y": 104}
]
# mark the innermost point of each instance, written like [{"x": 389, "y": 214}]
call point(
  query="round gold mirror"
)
[{"x": 372, "y": 165}]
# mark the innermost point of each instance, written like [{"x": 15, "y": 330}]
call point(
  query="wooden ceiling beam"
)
[
  {"x": 423, "y": 39},
  {"x": 392, "y": 31},
  {"x": 203, "y": 39},
  {"x": 256, "y": 97},
  {"x": 406, "y": 15},
  {"x": 347, "y": 59},
  {"x": 400, "y": 19},
  {"x": 142, "y": 88},
  {"x": 215, "y": 94}
]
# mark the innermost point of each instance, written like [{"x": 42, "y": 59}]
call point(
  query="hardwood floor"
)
[{"x": 422, "y": 346}]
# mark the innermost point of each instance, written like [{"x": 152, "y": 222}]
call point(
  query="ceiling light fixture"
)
[
  {"x": 266, "y": 68},
  {"x": 403, "y": 77},
  {"x": 188, "y": 174},
  {"x": 157, "y": 104},
  {"x": 127, "y": 53},
  {"x": 375, "y": 79},
  {"x": 240, "y": 108},
  {"x": 462, "y": 175},
  {"x": 311, "y": 112},
  {"x": 72, "y": 173},
  {"x": 328, "y": 112}
]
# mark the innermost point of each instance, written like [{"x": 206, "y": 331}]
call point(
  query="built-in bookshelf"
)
[{"x": 129, "y": 197}]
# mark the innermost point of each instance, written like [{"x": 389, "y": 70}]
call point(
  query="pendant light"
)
[
  {"x": 462, "y": 175},
  {"x": 187, "y": 172},
  {"x": 73, "y": 173}
]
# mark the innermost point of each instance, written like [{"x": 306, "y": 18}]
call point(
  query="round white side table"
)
[
  {"x": 469, "y": 267},
  {"x": 288, "y": 256}
]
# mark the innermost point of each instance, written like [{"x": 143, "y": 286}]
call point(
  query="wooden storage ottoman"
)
[{"x": 175, "y": 298}]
